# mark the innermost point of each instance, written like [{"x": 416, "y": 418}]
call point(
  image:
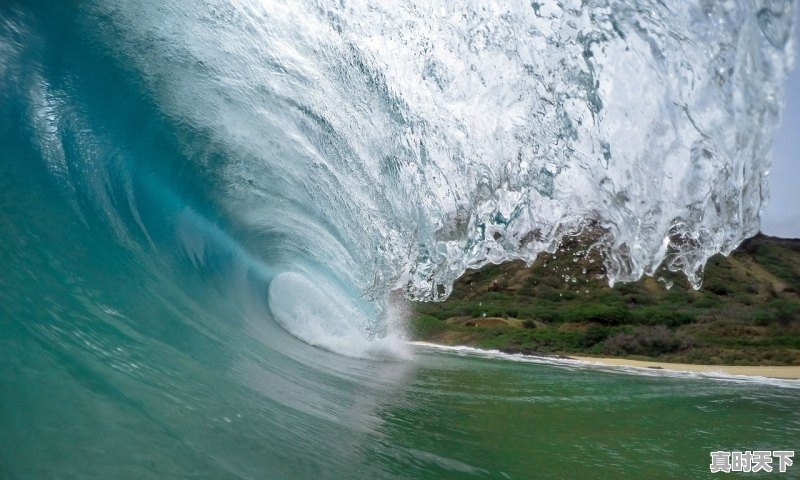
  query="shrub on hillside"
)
[
  {"x": 647, "y": 341},
  {"x": 425, "y": 326},
  {"x": 602, "y": 314},
  {"x": 594, "y": 335}
]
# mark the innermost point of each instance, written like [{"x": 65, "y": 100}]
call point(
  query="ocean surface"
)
[{"x": 213, "y": 215}]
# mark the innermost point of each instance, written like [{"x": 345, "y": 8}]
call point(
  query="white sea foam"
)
[
  {"x": 584, "y": 364},
  {"x": 393, "y": 145},
  {"x": 324, "y": 316}
]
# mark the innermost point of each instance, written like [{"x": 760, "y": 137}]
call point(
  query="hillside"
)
[{"x": 746, "y": 313}]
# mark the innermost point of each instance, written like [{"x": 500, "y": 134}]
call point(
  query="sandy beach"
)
[{"x": 783, "y": 372}]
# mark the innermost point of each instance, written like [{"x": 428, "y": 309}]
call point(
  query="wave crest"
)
[{"x": 396, "y": 145}]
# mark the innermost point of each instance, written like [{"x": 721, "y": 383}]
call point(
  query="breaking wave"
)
[{"x": 379, "y": 147}]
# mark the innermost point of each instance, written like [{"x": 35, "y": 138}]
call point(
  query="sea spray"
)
[{"x": 399, "y": 144}]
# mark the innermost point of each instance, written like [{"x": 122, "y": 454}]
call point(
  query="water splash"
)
[
  {"x": 174, "y": 176},
  {"x": 393, "y": 146},
  {"x": 403, "y": 143}
]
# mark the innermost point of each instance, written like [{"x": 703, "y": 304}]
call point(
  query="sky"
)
[{"x": 781, "y": 216}]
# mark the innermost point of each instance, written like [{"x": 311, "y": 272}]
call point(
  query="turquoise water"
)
[{"x": 208, "y": 211}]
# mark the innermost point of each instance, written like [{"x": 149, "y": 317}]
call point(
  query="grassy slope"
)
[{"x": 747, "y": 313}]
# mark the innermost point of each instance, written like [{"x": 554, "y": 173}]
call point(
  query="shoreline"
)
[{"x": 781, "y": 372}]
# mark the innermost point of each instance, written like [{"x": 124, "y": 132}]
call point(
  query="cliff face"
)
[{"x": 747, "y": 312}]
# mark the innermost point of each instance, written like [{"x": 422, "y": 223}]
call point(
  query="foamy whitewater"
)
[
  {"x": 209, "y": 210},
  {"x": 575, "y": 364},
  {"x": 396, "y": 145}
]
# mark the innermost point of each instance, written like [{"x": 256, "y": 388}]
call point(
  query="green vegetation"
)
[{"x": 746, "y": 313}]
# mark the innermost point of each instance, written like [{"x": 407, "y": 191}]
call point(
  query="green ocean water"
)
[
  {"x": 442, "y": 415},
  {"x": 205, "y": 208}
]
